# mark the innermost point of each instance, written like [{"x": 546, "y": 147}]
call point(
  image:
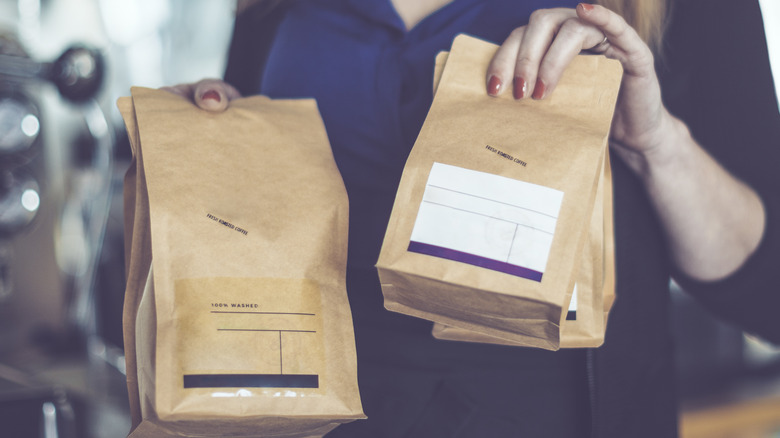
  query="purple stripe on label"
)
[{"x": 471, "y": 259}]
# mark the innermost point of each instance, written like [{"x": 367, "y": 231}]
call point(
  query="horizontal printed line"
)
[
  {"x": 265, "y": 313},
  {"x": 251, "y": 381},
  {"x": 475, "y": 260},
  {"x": 488, "y": 216},
  {"x": 265, "y": 330},
  {"x": 493, "y": 200}
]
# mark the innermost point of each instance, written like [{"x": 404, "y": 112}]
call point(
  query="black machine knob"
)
[{"x": 78, "y": 73}]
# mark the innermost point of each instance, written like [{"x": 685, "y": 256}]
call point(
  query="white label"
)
[{"x": 486, "y": 220}]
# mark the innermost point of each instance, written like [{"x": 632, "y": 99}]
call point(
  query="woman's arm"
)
[{"x": 713, "y": 221}]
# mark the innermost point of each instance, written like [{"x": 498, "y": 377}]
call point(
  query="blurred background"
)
[{"x": 63, "y": 154}]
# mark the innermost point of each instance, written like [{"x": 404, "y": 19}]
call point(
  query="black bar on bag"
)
[{"x": 251, "y": 381}]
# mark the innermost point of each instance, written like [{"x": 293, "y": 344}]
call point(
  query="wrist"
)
[{"x": 663, "y": 150}]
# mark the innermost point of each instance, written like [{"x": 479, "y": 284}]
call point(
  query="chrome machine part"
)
[
  {"x": 78, "y": 73},
  {"x": 90, "y": 202},
  {"x": 6, "y": 277},
  {"x": 20, "y": 127},
  {"x": 19, "y": 201}
]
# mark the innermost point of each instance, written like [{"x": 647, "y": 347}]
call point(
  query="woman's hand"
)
[
  {"x": 534, "y": 57},
  {"x": 713, "y": 221},
  {"x": 208, "y": 94}
]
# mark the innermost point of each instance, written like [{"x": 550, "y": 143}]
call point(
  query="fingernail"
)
[
  {"x": 538, "y": 89},
  {"x": 586, "y": 6},
  {"x": 494, "y": 85},
  {"x": 211, "y": 94},
  {"x": 519, "y": 87}
]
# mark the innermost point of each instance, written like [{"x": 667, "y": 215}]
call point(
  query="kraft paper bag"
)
[
  {"x": 492, "y": 215},
  {"x": 236, "y": 318},
  {"x": 588, "y": 311}
]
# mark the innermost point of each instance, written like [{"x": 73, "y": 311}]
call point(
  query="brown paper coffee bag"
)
[
  {"x": 492, "y": 213},
  {"x": 583, "y": 326},
  {"x": 237, "y": 308}
]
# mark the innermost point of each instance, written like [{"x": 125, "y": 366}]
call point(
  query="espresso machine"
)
[{"x": 56, "y": 191}]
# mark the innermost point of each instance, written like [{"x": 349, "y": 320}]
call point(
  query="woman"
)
[{"x": 678, "y": 211}]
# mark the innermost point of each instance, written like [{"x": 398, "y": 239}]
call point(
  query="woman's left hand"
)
[
  {"x": 534, "y": 57},
  {"x": 713, "y": 221}
]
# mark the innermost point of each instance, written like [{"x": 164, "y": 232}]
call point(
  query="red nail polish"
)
[
  {"x": 519, "y": 87},
  {"x": 539, "y": 89},
  {"x": 586, "y": 7},
  {"x": 494, "y": 85},
  {"x": 211, "y": 94}
]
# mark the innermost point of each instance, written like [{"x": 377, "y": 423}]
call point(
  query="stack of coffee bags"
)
[{"x": 503, "y": 214}]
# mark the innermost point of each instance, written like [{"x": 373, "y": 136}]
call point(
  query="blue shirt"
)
[
  {"x": 372, "y": 80},
  {"x": 372, "y": 99}
]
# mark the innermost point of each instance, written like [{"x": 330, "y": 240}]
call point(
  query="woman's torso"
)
[{"x": 373, "y": 83}]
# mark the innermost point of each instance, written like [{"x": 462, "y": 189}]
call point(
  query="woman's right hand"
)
[
  {"x": 537, "y": 54},
  {"x": 208, "y": 94}
]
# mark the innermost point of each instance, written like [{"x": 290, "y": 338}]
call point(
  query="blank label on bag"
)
[
  {"x": 486, "y": 220},
  {"x": 250, "y": 333}
]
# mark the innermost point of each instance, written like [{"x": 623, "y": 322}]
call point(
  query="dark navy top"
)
[
  {"x": 373, "y": 83},
  {"x": 372, "y": 80}
]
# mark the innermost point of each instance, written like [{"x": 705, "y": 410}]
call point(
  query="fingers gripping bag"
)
[
  {"x": 492, "y": 216},
  {"x": 236, "y": 315}
]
